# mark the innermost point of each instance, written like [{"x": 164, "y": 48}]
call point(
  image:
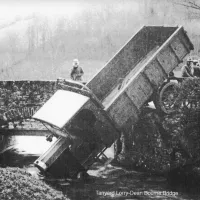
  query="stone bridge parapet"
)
[{"x": 21, "y": 99}]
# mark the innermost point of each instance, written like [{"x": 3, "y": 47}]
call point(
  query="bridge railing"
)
[{"x": 19, "y": 100}]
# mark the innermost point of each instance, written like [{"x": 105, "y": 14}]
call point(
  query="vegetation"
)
[
  {"x": 168, "y": 144},
  {"x": 19, "y": 185}
]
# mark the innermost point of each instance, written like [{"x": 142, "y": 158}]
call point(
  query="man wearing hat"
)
[
  {"x": 196, "y": 68},
  {"x": 76, "y": 72},
  {"x": 187, "y": 70}
]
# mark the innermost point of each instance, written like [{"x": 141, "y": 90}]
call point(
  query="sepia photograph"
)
[{"x": 99, "y": 99}]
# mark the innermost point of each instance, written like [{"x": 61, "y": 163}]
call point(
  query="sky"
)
[{"x": 10, "y": 9}]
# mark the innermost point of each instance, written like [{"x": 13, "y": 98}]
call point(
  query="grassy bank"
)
[{"x": 17, "y": 184}]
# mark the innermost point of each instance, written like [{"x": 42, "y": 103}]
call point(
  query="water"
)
[
  {"x": 22, "y": 151},
  {"x": 32, "y": 144}
]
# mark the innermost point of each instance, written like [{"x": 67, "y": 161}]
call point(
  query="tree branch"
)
[
  {"x": 190, "y": 5},
  {"x": 194, "y": 5}
]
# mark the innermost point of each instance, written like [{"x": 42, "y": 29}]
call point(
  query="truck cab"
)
[{"x": 84, "y": 130}]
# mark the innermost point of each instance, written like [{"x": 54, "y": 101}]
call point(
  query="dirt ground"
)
[
  {"x": 114, "y": 182},
  {"x": 105, "y": 182}
]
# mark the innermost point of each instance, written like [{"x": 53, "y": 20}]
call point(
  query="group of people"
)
[{"x": 192, "y": 68}]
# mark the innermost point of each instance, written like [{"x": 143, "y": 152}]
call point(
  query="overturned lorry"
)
[{"x": 87, "y": 119}]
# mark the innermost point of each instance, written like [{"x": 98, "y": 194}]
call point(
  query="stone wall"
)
[{"x": 23, "y": 98}]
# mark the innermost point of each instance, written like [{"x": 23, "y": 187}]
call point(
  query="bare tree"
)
[
  {"x": 13, "y": 43},
  {"x": 60, "y": 33},
  {"x": 43, "y": 29},
  {"x": 31, "y": 38},
  {"x": 34, "y": 33},
  {"x": 53, "y": 49},
  {"x": 195, "y": 4},
  {"x": 193, "y": 7}
]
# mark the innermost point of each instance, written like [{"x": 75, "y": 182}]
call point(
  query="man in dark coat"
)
[
  {"x": 196, "y": 68},
  {"x": 187, "y": 70},
  {"x": 76, "y": 72}
]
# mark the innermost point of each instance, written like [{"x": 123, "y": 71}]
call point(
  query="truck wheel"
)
[{"x": 165, "y": 98}]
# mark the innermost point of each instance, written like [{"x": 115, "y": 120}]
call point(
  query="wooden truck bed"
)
[
  {"x": 132, "y": 76},
  {"x": 123, "y": 82}
]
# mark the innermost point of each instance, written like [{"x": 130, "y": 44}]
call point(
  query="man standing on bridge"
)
[{"x": 76, "y": 72}]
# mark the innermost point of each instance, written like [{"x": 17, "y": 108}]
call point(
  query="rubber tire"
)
[{"x": 158, "y": 100}]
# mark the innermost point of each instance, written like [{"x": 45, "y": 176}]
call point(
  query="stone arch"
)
[{"x": 18, "y": 114}]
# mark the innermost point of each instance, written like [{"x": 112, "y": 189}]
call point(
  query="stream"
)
[{"x": 106, "y": 181}]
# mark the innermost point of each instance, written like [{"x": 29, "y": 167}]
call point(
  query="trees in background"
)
[
  {"x": 95, "y": 34},
  {"x": 191, "y": 7}
]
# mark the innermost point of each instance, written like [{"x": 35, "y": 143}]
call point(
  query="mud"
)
[
  {"x": 114, "y": 182},
  {"x": 106, "y": 181}
]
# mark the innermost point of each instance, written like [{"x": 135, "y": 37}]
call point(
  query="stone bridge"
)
[{"x": 19, "y": 100}]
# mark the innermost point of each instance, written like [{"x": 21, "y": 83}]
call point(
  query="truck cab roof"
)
[{"x": 60, "y": 108}]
